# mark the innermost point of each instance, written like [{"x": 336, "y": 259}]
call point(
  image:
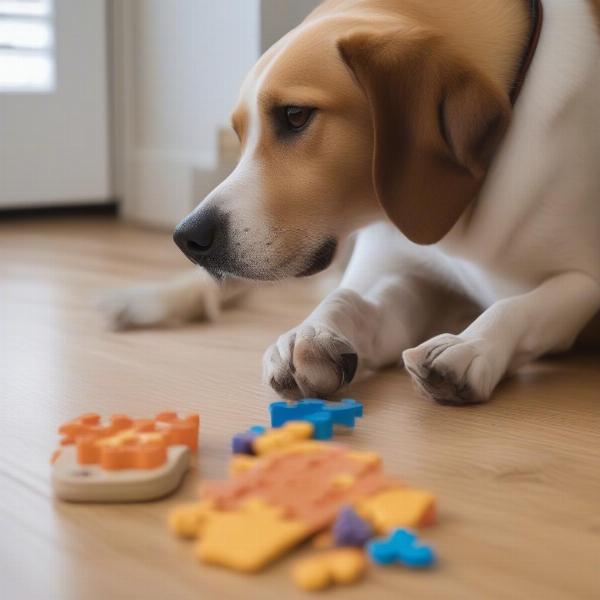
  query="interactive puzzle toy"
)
[
  {"x": 401, "y": 546},
  {"x": 285, "y": 487},
  {"x": 323, "y": 415},
  {"x": 123, "y": 460}
]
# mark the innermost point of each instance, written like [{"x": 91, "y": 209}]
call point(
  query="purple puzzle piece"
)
[
  {"x": 350, "y": 529},
  {"x": 241, "y": 443}
]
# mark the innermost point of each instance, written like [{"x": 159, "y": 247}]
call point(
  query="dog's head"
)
[{"x": 339, "y": 122}]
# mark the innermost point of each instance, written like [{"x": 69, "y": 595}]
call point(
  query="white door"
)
[{"x": 53, "y": 103}]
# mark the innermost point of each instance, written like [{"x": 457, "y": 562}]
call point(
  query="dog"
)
[{"x": 458, "y": 143}]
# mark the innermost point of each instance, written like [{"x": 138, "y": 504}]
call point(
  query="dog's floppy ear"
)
[{"x": 437, "y": 124}]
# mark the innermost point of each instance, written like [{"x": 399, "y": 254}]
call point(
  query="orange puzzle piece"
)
[
  {"x": 125, "y": 443},
  {"x": 90, "y": 425},
  {"x": 310, "y": 481}
]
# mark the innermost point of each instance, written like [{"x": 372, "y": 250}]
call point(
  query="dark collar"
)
[{"x": 536, "y": 15}]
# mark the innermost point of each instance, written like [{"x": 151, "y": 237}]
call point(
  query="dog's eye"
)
[{"x": 297, "y": 117}]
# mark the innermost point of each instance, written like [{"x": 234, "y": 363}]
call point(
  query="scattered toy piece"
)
[
  {"x": 285, "y": 486},
  {"x": 242, "y": 442},
  {"x": 350, "y": 529},
  {"x": 323, "y": 540},
  {"x": 257, "y": 429},
  {"x": 187, "y": 521},
  {"x": 401, "y": 546},
  {"x": 248, "y": 538},
  {"x": 282, "y": 497},
  {"x": 368, "y": 457},
  {"x": 179, "y": 430},
  {"x": 340, "y": 566},
  {"x": 277, "y": 439},
  {"x": 399, "y": 507},
  {"x": 125, "y": 460},
  {"x": 240, "y": 463},
  {"x": 323, "y": 415},
  {"x": 303, "y": 480}
]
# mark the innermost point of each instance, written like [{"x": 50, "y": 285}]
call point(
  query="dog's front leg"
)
[
  {"x": 388, "y": 301},
  {"x": 465, "y": 369},
  {"x": 349, "y": 335},
  {"x": 193, "y": 296}
]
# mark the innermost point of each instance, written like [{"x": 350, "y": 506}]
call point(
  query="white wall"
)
[
  {"x": 177, "y": 68},
  {"x": 182, "y": 63},
  {"x": 193, "y": 55}
]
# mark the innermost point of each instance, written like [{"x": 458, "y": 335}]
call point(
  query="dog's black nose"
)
[{"x": 196, "y": 234}]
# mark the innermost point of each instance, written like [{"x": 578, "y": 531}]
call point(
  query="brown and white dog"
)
[{"x": 393, "y": 119}]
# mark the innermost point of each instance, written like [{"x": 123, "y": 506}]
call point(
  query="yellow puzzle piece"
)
[
  {"x": 339, "y": 566},
  {"x": 398, "y": 507},
  {"x": 248, "y": 538},
  {"x": 240, "y": 463},
  {"x": 277, "y": 439},
  {"x": 188, "y": 520}
]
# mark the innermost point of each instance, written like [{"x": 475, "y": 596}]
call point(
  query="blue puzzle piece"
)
[
  {"x": 257, "y": 429},
  {"x": 323, "y": 415},
  {"x": 282, "y": 412},
  {"x": 345, "y": 411},
  {"x": 401, "y": 546},
  {"x": 322, "y": 424}
]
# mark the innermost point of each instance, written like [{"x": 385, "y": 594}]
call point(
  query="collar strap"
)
[{"x": 536, "y": 12}]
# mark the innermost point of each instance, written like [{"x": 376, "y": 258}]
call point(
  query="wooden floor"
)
[{"x": 518, "y": 480}]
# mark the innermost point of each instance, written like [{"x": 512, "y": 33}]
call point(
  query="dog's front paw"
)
[
  {"x": 310, "y": 361},
  {"x": 452, "y": 370}
]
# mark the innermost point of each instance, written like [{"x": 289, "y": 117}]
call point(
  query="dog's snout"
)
[{"x": 196, "y": 235}]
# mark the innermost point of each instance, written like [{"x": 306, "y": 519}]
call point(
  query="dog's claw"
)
[{"x": 349, "y": 366}]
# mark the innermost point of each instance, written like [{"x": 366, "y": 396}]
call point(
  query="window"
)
[{"x": 26, "y": 46}]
